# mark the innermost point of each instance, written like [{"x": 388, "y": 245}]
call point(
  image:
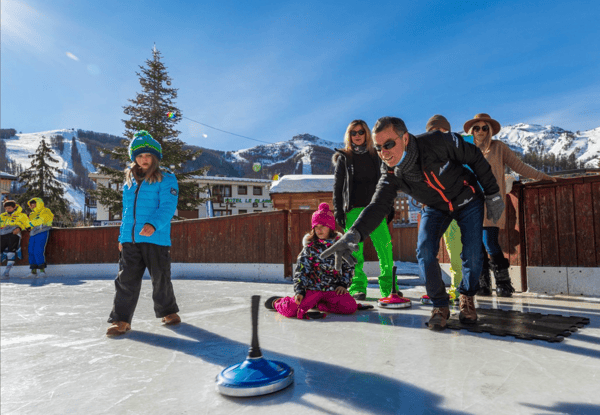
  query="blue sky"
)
[{"x": 274, "y": 69}]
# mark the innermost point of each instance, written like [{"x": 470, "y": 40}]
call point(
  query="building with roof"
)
[
  {"x": 6, "y": 180},
  {"x": 230, "y": 196}
]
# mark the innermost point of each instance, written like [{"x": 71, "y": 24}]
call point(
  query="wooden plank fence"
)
[{"x": 548, "y": 225}]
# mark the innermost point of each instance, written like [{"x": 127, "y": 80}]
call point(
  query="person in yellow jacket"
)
[
  {"x": 12, "y": 222},
  {"x": 40, "y": 221}
]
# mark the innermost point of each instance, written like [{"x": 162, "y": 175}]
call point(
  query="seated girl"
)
[{"x": 316, "y": 282}]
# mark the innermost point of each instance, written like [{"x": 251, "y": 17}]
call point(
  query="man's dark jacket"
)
[{"x": 447, "y": 184}]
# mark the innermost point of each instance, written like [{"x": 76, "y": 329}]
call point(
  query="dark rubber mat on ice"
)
[{"x": 529, "y": 326}]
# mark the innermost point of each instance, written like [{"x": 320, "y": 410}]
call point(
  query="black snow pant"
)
[
  {"x": 10, "y": 242},
  {"x": 133, "y": 261}
]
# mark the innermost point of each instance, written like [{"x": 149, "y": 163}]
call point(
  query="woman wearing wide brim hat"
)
[{"x": 483, "y": 127}]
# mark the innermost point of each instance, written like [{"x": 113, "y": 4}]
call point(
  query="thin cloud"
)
[{"x": 71, "y": 56}]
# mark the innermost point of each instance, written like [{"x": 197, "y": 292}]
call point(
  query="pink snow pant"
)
[{"x": 326, "y": 301}]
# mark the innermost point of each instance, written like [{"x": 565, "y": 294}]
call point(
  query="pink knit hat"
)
[{"x": 323, "y": 216}]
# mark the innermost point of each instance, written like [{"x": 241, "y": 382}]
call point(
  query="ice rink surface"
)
[{"x": 56, "y": 359}]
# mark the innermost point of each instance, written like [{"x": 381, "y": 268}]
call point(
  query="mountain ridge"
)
[{"x": 302, "y": 154}]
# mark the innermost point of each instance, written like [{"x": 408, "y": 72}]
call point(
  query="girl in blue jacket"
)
[{"x": 149, "y": 202}]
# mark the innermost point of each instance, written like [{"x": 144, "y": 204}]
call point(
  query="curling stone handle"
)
[
  {"x": 254, "y": 351},
  {"x": 394, "y": 289}
]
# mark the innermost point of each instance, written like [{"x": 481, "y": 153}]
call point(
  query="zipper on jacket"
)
[
  {"x": 467, "y": 184},
  {"x": 428, "y": 181},
  {"x": 134, "y": 208}
]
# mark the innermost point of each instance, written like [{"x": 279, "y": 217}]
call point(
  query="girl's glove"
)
[
  {"x": 343, "y": 249},
  {"x": 495, "y": 206}
]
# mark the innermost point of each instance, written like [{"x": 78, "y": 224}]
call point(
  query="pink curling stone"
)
[{"x": 394, "y": 301}]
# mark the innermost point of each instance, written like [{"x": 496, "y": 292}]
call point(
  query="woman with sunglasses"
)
[
  {"x": 482, "y": 127},
  {"x": 357, "y": 171}
]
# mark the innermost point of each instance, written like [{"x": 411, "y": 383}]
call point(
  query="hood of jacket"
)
[
  {"x": 39, "y": 203},
  {"x": 18, "y": 209},
  {"x": 337, "y": 154}
]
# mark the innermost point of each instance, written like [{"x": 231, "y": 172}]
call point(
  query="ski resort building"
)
[{"x": 230, "y": 196}]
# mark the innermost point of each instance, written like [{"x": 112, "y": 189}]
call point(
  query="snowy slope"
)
[
  {"x": 526, "y": 138},
  {"x": 300, "y": 145},
  {"x": 19, "y": 147}
]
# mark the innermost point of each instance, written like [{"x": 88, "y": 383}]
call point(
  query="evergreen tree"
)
[
  {"x": 149, "y": 111},
  {"x": 39, "y": 180}
]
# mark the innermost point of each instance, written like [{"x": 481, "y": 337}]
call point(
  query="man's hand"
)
[
  {"x": 147, "y": 230},
  {"x": 298, "y": 298},
  {"x": 120, "y": 247},
  {"x": 343, "y": 249},
  {"x": 495, "y": 206},
  {"x": 341, "y": 291}
]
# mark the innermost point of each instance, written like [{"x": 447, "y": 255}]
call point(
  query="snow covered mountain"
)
[
  {"x": 20, "y": 146},
  {"x": 303, "y": 154},
  {"x": 526, "y": 138}
]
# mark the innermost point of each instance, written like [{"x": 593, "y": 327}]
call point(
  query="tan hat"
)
[{"x": 483, "y": 117}]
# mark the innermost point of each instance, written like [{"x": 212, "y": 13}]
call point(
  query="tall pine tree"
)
[
  {"x": 149, "y": 111},
  {"x": 39, "y": 180}
]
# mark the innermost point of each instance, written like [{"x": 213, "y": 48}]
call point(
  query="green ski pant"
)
[
  {"x": 382, "y": 241},
  {"x": 454, "y": 247}
]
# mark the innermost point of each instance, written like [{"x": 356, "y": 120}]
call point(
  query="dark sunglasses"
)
[
  {"x": 387, "y": 145},
  {"x": 485, "y": 128},
  {"x": 355, "y": 133}
]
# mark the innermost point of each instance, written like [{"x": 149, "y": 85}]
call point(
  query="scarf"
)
[
  {"x": 408, "y": 168},
  {"x": 359, "y": 149}
]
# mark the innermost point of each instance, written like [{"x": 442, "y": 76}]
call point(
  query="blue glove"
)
[
  {"x": 343, "y": 249},
  {"x": 495, "y": 206}
]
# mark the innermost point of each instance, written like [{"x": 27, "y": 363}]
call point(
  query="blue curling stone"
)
[{"x": 254, "y": 377}]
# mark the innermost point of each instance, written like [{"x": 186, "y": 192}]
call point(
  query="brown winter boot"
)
[
  {"x": 439, "y": 317},
  {"x": 117, "y": 328},
  {"x": 171, "y": 319},
  {"x": 467, "y": 314}
]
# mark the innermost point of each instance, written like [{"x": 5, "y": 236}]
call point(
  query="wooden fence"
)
[
  {"x": 267, "y": 237},
  {"x": 548, "y": 225}
]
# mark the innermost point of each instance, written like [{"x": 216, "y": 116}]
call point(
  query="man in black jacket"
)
[{"x": 431, "y": 169}]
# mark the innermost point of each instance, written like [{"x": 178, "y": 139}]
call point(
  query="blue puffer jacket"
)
[{"x": 149, "y": 203}]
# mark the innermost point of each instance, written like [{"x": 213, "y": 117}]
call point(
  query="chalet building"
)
[
  {"x": 6, "y": 180},
  {"x": 306, "y": 192},
  {"x": 230, "y": 196}
]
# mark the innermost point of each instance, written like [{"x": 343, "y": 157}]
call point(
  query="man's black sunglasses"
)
[
  {"x": 388, "y": 145},
  {"x": 355, "y": 133},
  {"x": 485, "y": 128}
]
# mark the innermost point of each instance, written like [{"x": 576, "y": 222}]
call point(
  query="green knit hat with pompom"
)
[{"x": 144, "y": 143}]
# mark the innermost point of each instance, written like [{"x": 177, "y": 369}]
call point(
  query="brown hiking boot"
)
[
  {"x": 171, "y": 319},
  {"x": 438, "y": 319},
  {"x": 467, "y": 309},
  {"x": 117, "y": 328}
]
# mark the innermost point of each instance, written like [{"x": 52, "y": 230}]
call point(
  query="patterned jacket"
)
[
  {"x": 316, "y": 274},
  {"x": 11, "y": 221}
]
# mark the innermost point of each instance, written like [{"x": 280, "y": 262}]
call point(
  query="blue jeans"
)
[
  {"x": 490, "y": 240},
  {"x": 434, "y": 223}
]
